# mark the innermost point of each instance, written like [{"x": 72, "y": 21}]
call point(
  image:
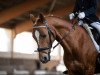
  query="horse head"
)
[{"x": 44, "y": 37}]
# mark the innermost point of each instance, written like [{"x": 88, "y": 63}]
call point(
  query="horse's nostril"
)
[{"x": 45, "y": 58}]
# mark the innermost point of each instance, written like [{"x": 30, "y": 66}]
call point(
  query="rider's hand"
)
[
  {"x": 71, "y": 16},
  {"x": 81, "y": 15},
  {"x": 80, "y": 22}
]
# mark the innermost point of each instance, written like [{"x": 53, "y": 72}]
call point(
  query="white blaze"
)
[{"x": 37, "y": 34}]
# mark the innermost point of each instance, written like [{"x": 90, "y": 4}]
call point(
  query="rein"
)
[{"x": 73, "y": 28}]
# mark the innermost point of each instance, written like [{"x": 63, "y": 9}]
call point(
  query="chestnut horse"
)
[{"x": 79, "y": 52}]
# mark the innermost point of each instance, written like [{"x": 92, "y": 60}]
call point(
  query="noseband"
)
[{"x": 49, "y": 33}]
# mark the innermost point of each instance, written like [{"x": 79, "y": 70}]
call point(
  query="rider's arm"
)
[
  {"x": 92, "y": 9},
  {"x": 76, "y": 8}
]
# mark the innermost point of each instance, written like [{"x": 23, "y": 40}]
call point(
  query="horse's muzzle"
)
[{"x": 45, "y": 59}]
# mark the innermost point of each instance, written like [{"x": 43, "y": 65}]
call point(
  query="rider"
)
[{"x": 85, "y": 10}]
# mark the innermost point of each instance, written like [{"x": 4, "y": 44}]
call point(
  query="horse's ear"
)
[
  {"x": 32, "y": 18},
  {"x": 41, "y": 17}
]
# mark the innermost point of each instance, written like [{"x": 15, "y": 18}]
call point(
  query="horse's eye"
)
[{"x": 43, "y": 36}]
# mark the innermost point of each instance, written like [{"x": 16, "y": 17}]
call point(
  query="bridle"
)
[{"x": 50, "y": 33}]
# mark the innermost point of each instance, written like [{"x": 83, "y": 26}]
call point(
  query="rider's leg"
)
[
  {"x": 91, "y": 36},
  {"x": 96, "y": 25}
]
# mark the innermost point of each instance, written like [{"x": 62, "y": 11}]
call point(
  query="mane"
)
[
  {"x": 60, "y": 20},
  {"x": 54, "y": 16}
]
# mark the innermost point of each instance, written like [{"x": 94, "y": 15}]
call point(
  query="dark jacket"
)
[{"x": 89, "y": 7}]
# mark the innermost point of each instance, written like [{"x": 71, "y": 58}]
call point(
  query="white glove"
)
[
  {"x": 71, "y": 16},
  {"x": 80, "y": 22},
  {"x": 81, "y": 15}
]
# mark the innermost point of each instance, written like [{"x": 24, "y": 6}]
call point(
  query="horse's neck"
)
[
  {"x": 62, "y": 35},
  {"x": 76, "y": 40}
]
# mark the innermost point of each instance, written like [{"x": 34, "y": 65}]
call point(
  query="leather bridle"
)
[{"x": 50, "y": 33}]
